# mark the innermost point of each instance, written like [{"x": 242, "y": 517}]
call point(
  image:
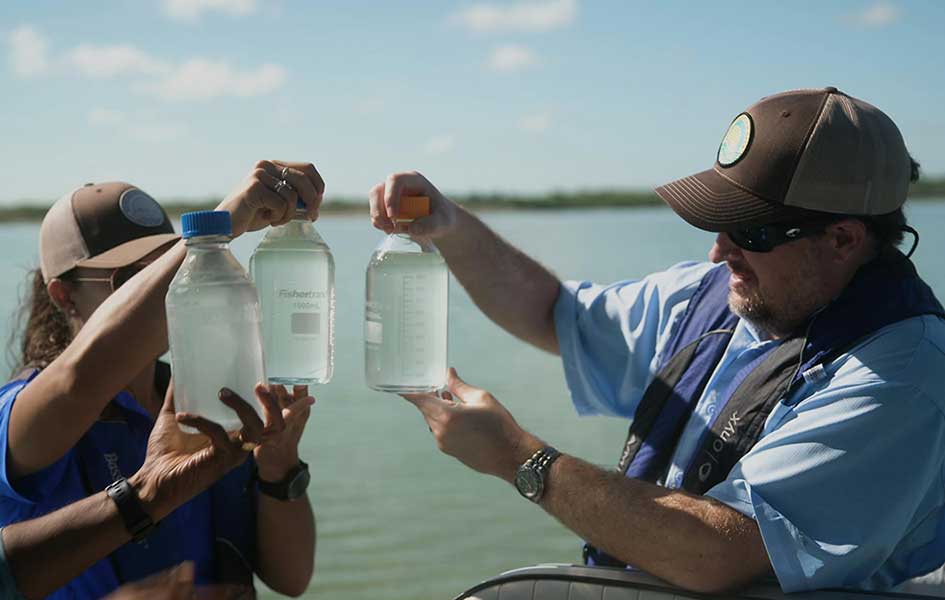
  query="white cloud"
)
[
  {"x": 876, "y": 16},
  {"x": 536, "y": 123},
  {"x": 141, "y": 126},
  {"x": 530, "y": 15},
  {"x": 192, "y": 10},
  {"x": 192, "y": 80},
  {"x": 440, "y": 144},
  {"x": 113, "y": 61},
  {"x": 29, "y": 52},
  {"x": 201, "y": 79},
  {"x": 510, "y": 58}
]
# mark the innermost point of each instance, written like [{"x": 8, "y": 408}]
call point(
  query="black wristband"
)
[{"x": 138, "y": 523}]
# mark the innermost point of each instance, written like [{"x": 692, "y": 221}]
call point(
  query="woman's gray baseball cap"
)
[{"x": 794, "y": 152}]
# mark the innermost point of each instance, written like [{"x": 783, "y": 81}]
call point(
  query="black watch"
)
[
  {"x": 138, "y": 523},
  {"x": 530, "y": 477},
  {"x": 292, "y": 486}
]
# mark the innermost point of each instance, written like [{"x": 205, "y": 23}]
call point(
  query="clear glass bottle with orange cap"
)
[{"x": 406, "y": 312}]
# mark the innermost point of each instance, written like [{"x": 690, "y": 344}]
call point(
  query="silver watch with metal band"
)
[{"x": 530, "y": 477}]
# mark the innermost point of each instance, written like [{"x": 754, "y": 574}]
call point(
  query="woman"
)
[{"x": 77, "y": 417}]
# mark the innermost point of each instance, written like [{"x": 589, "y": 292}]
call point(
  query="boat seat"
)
[{"x": 574, "y": 582}]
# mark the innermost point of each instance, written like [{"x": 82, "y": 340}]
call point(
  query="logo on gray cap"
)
[{"x": 140, "y": 208}]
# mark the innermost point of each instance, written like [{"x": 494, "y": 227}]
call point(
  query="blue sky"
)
[{"x": 182, "y": 96}]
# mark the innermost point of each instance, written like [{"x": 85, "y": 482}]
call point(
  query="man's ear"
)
[
  {"x": 61, "y": 295},
  {"x": 847, "y": 238}
]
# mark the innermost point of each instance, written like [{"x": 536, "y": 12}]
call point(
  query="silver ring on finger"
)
[
  {"x": 285, "y": 173},
  {"x": 283, "y": 185}
]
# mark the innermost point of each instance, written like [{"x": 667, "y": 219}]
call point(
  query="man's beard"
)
[{"x": 758, "y": 311}]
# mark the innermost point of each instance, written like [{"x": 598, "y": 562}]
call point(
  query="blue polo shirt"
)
[
  {"x": 216, "y": 530},
  {"x": 847, "y": 483}
]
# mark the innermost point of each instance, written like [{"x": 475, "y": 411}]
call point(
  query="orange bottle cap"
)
[{"x": 413, "y": 207}]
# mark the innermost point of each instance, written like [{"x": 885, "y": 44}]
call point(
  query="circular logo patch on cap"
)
[
  {"x": 736, "y": 140},
  {"x": 140, "y": 208}
]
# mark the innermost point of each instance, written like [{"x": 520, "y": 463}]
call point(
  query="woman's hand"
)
[
  {"x": 275, "y": 442},
  {"x": 269, "y": 195}
]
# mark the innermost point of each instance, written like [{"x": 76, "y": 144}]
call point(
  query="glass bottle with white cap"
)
[
  {"x": 213, "y": 323},
  {"x": 294, "y": 272},
  {"x": 406, "y": 311}
]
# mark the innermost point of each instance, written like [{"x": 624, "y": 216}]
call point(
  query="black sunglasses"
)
[{"x": 765, "y": 238}]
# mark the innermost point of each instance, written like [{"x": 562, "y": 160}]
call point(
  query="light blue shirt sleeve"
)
[
  {"x": 8, "y": 589},
  {"x": 610, "y": 336},
  {"x": 846, "y": 487}
]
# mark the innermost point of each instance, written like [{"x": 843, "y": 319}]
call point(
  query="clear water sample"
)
[
  {"x": 406, "y": 316},
  {"x": 213, "y": 323},
  {"x": 294, "y": 273}
]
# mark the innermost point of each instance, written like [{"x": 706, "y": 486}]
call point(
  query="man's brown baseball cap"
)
[
  {"x": 791, "y": 153},
  {"x": 101, "y": 225}
]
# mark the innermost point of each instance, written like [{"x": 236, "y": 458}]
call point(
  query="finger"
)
[
  {"x": 168, "y": 405},
  {"x": 287, "y": 193},
  {"x": 219, "y": 438},
  {"x": 378, "y": 213},
  {"x": 298, "y": 411},
  {"x": 307, "y": 181},
  {"x": 458, "y": 387},
  {"x": 402, "y": 184},
  {"x": 262, "y": 198},
  {"x": 280, "y": 394},
  {"x": 272, "y": 411},
  {"x": 310, "y": 172},
  {"x": 300, "y": 391},
  {"x": 432, "y": 407},
  {"x": 252, "y": 425}
]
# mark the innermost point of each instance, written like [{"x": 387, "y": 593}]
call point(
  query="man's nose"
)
[{"x": 722, "y": 248}]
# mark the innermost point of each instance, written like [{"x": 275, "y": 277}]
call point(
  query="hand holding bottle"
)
[
  {"x": 385, "y": 206},
  {"x": 269, "y": 194}
]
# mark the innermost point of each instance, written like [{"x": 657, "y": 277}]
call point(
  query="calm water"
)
[{"x": 397, "y": 519}]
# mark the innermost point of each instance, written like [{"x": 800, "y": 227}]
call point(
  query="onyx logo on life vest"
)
[
  {"x": 718, "y": 444},
  {"x": 111, "y": 460}
]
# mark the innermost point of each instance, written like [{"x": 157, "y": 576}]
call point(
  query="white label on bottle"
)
[
  {"x": 305, "y": 324},
  {"x": 373, "y": 332}
]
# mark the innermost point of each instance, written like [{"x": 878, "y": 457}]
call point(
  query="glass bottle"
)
[
  {"x": 406, "y": 311},
  {"x": 294, "y": 272},
  {"x": 213, "y": 323}
]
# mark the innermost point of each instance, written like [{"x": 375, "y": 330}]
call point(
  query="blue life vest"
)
[{"x": 884, "y": 291}]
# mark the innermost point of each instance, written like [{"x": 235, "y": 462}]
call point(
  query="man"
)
[{"x": 785, "y": 400}]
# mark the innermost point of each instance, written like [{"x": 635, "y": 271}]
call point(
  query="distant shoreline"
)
[{"x": 25, "y": 213}]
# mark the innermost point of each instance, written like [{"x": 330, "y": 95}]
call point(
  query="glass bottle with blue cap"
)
[
  {"x": 294, "y": 272},
  {"x": 213, "y": 322}
]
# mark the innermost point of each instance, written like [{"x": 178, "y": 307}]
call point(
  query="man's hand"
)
[
  {"x": 262, "y": 201},
  {"x": 470, "y": 425},
  {"x": 385, "y": 205}
]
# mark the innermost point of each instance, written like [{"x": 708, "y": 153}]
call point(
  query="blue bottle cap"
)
[{"x": 205, "y": 222}]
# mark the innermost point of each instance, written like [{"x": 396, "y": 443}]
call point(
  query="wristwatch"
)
[
  {"x": 292, "y": 486},
  {"x": 530, "y": 477},
  {"x": 138, "y": 523}
]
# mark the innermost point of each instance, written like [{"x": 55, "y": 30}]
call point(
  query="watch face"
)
[
  {"x": 299, "y": 484},
  {"x": 529, "y": 483}
]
